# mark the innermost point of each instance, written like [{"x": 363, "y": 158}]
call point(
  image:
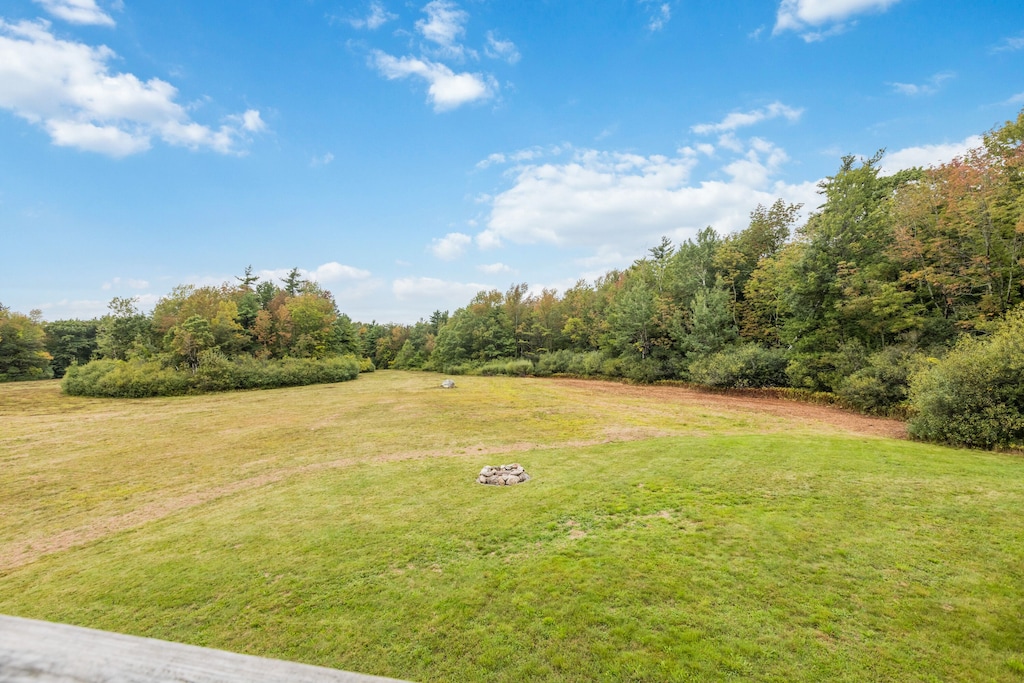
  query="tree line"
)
[
  {"x": 884, "y": 285},
  {"x": 891, "y": 281},
  {"x": 246, "y": 334}
]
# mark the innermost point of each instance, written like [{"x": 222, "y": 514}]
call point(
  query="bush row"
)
[
  {"x": 138, "y": 379},
  {"x": 974, "y": 395}
]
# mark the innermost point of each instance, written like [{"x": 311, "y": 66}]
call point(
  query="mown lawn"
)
[{"x": 697, "y": 544}]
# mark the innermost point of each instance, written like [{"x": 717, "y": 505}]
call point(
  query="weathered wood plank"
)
[{"x": 43, "y": 652}]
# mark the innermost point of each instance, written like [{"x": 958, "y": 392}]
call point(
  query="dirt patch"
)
[{"x": 797, "y": 411}]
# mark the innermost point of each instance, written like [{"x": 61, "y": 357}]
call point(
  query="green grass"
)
[{"x": 700, "y": 544}]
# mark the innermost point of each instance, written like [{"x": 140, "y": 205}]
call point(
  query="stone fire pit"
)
[{"x": 503, "y": 475}]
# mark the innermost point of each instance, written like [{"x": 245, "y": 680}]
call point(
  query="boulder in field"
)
[{"x": 503, "y": 475}]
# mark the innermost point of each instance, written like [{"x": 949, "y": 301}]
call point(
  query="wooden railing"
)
[{"x": 42, "y": 652}]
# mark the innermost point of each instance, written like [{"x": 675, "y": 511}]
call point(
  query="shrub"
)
[
  {"x": 645, "y": 370},
  {"x": 458, "y": 369},
  {"x": 554, "y": 363},
  {"x": 591, "y": 363},
  {"x": 882, "y": 386},
  {"x": 519, "y": 368},
  {"x": 215, "y": 372},
  {"x": 974, "y": 396},
  {"x": 745, "y": 365},
  {"x": 491, "y": 368},
  {"x": 611, "y": 367},
  {"x": 572, "y": 363},
  {"x": 825, "y": 371}
]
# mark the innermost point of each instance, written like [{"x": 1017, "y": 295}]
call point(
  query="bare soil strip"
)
[{"x": 739, "y": 400}]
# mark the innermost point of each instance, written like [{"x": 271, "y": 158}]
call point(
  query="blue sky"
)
[{"x": 408, "y": 154}]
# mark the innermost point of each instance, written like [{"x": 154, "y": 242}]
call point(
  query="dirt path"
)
[{"x": 751, "y": 402}]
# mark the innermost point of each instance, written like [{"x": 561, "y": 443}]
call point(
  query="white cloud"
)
[
  {"x": 930, "y": 87},
  {"x": 451, "y": 246},
  {"x": 325, "y": 273},
  {"x": 501, "y": 49},
  {"x": 802, "y": 15},
  {"x": 78, "y": 309},
  {"x": 818, "y": 36},
  {"x": 614, "y": 203},
  {"x": 335, "y": 272},
  {"x": 119, "y": 283},
  {"x": 526, "y": 154},
  {"x": 358, "y": 292},
  {"x": 252, "y": 122},
  {"x": 928, "y": 155},
  {"x": 450, "y": 293},
  {"x": 322, "y": 160},
  {"x": 660, "y": 18},
  {"x": 377, "y": 17},
  {"x": 495, "y": 268},
  {"x": 77, "y": 11},
  {"x": 757, "y": 165},
  {"x": 1016, "y": 99},
  {"x": 741, "y": 119},
  {"x": 495, "y": 158},
  {"x": 67, "y": 89},
  {"x": 1011, "y": 44},
  {"x": 730, "y": 142},
  {"x": 444, "y": 25},
  {"x": 92, "y": 138},
  {"x": 446, "y": 89}
]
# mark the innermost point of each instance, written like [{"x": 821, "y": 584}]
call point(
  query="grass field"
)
[{"x": 663, "y": 536}]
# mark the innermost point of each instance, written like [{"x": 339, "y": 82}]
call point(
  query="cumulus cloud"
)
[
  {"x": 451, "y": 246},
  {"x": 738, "y": 119},
  {"x": 336, "y": 272},
  {"x": 324, "y": 274},
  {"x": 251, "y": 121},
  {"x": 804, "y": 15},
  {"x": 119, "y": 283},
  {"x": 494, "y": 268},
  {"x": 67, "y": 89},
  {"x": 446, "y": 89},
  {"x": 435, "y": 289},
  {"x": 376, "y": 17},
  {"x": 442, "y": 31},
  {"x": 927, "y": 155},
  {"x": 77, "y": 11},
  {"x": 615, "y": 203},
  {"x": 501, "y": 49},
  {"x": 444, "y": 25},
  {"x": 929, "y": 87}
]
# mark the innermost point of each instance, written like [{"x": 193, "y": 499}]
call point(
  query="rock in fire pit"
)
[{"x": 503, "y": 475}]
